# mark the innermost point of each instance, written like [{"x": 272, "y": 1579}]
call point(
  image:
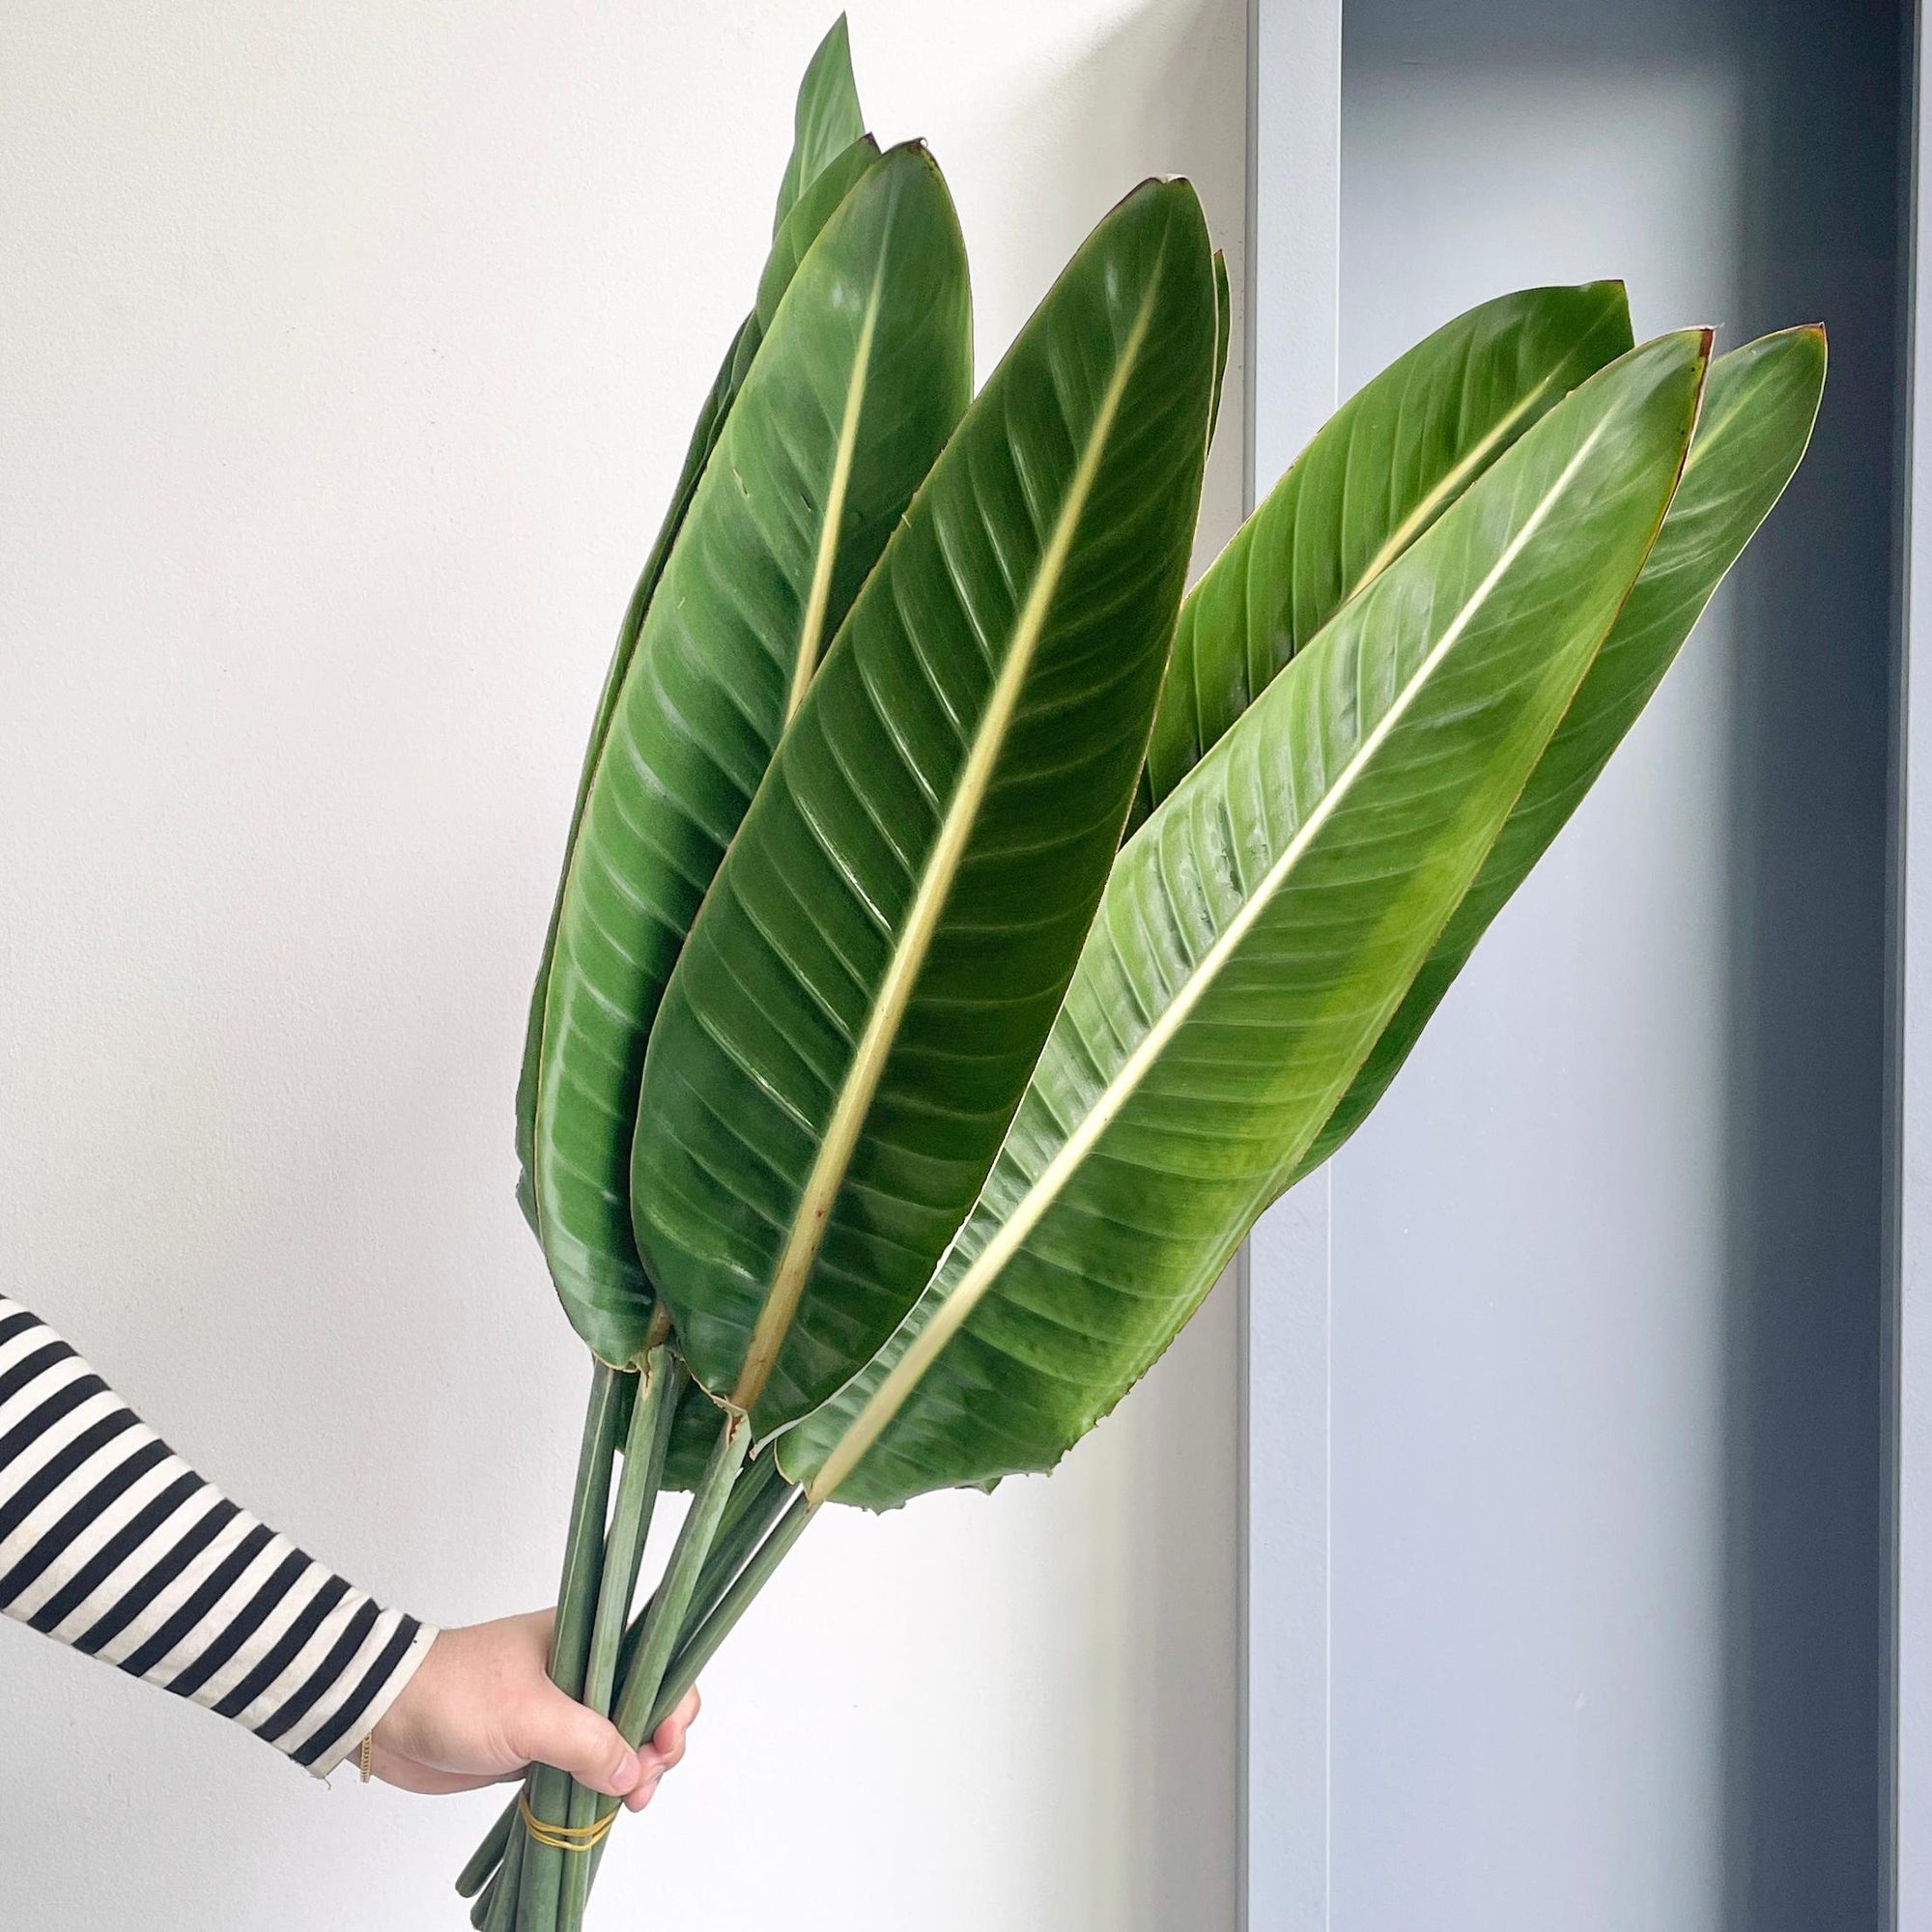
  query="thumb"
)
[{"x": 557, "y": 1730}]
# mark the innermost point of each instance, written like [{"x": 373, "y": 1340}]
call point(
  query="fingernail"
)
[{"x": 629, "y": 1769}]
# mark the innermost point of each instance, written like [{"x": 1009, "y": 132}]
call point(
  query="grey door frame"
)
[{"x": 1911, "y": 1379}]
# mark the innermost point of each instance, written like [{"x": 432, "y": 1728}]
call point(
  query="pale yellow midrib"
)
[
  {"x": 1446, "y": 486},
  {"x": 818, "y": 599},
  {"x": 855, "y": 1098},
  {"x": 965, "y": 1295}
]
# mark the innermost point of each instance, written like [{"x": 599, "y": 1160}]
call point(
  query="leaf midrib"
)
[{"x": 818, "y": 599}]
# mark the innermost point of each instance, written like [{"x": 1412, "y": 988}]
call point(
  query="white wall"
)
[{"x": 349, "y": 353}]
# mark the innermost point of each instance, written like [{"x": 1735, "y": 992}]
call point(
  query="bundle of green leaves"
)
[{"x": 963, "y": 935}]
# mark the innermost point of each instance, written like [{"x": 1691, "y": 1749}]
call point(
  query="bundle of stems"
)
[
  {"x": 634, "y": 1669},
  {"x": 963, "y": 935}
]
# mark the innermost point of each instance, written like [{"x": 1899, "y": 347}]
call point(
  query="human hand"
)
[{"x": 481, "y": 1709}]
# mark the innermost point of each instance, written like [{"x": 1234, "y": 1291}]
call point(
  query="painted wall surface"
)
[
  {"x": 350, "y": 351},
  {"x": 1607, "y": 1557}
]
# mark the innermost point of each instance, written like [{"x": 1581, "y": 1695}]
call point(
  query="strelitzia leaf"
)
[
  {"x": 862, "y": 373},
  {"x": 703, "y": 436},
  {"x": 1759, "y": 405},
  {"x": 1382, "y": 468},
  {"x": 872, "y": 978},
  {"x": 1223, "y": 323},
  {"x": 826, "y": 121},
  {"x": 823, "y": 191},
  {"x": 1254, "y": 938}
]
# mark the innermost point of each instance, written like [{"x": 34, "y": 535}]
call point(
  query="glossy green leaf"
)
[
  {"x": 1759, "y": 405},
  {"x": 862, "y": 373},
  {"x": 1376, "y": 476},
  {"x": 797, "y": 231},
  {"x": 872, "y": 978},
  {"x": 1254, "y": 938},
  {"x": 1223, "y": 322},
  {"x": 710, "y": 421},
  {"x": 826, "y": 121}
]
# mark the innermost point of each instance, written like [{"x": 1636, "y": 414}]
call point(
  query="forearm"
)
[{"x": 110, "y": 1543}]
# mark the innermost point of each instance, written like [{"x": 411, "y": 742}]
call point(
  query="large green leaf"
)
[
  {"x": 1224, "y": 317},
  {"x": 824, "y": 190},
  {"x": 826, "y": 121},
  {"x": 870, "y": 982},
  {"x": 1254, "y": 937},
  {"x": 1759, "y": 405},
  {"x": 1388, "y": 461},
  {"x": 703, "y": 436},
  {"x": 860, "y": 378}
]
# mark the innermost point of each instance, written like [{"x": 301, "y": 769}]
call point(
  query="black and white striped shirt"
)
[{"x": 110, "y": 1543}]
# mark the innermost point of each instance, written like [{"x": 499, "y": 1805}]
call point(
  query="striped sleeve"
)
[{"x": 110, "y": 1543}]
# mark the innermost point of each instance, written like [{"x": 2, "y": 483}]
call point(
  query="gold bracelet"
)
[{"x": 364, "y": 1752}]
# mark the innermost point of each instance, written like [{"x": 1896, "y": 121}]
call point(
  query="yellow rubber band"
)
[{"x": 563, "y": 1838}]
